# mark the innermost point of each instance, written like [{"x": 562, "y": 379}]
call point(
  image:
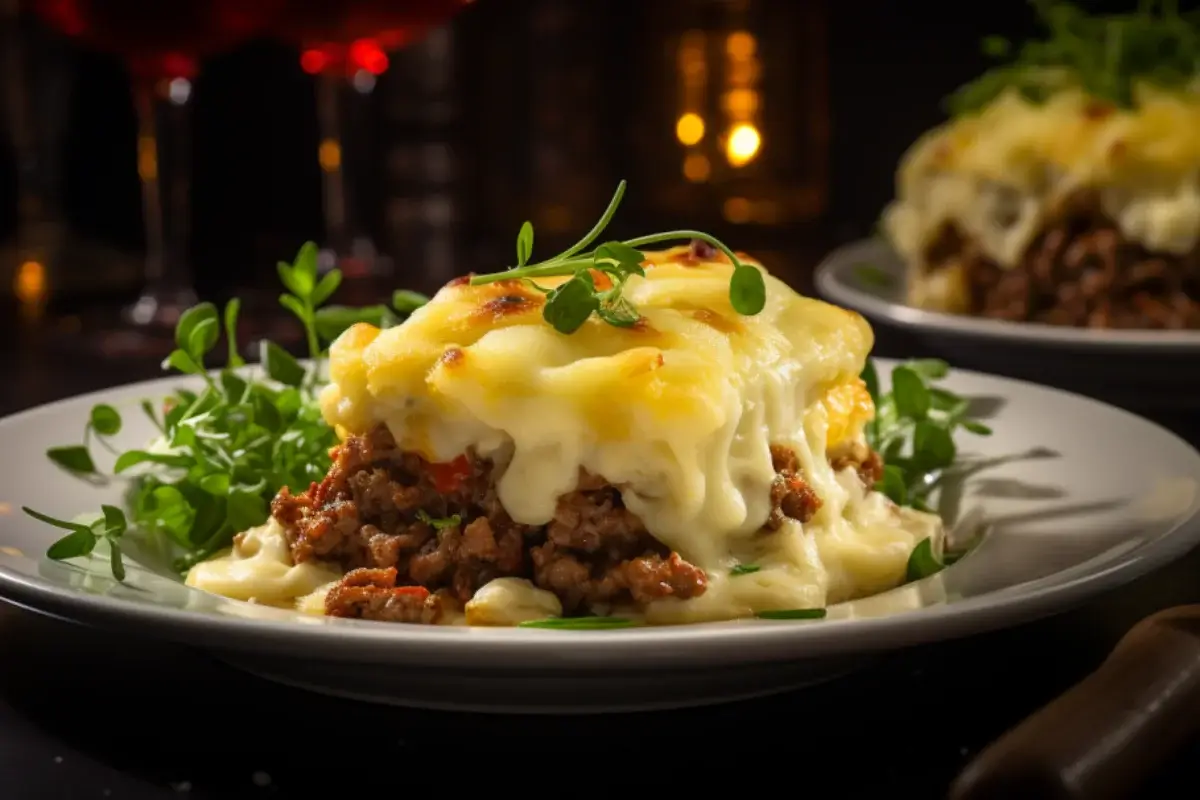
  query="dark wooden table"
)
[{"x": 97, "y": 714}]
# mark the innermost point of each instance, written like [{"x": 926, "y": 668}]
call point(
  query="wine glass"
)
[
  {"x": 344, "y": 44},
  {"x": 161, "y": 43}
]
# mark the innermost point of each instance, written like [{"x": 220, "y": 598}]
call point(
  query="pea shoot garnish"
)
[
  {"x": 913, "y": 430},
  {"x": 793, "y": 613},
  {"x": 1105, "y": 55},
  {"x": 225, "y": 451},
  {"x": 572, "y": 302},
  {"x": 922, "y": 562}
]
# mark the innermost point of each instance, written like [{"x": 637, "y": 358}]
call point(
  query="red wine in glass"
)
[
  {"x": 345, "y": 45},
  {"x": 357, "y": 34},
  {"x": 162, "y": 43}
]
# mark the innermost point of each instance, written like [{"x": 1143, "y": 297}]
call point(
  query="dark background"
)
[
  {"x": 845, "y": 88},
  {"x": 546, "y": 105}
]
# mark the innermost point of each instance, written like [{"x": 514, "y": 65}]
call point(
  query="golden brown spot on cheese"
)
[
  {"x": 1117, "y": 150},
  {"x": 453, "y": 357},
  {"x": 1096, "y": 110},
  {"x": 642, "y": 326},
  {"x": 714, "y": 320},
  {"x": 461, "y": 280},
  {"x": 507, "y": 305}
]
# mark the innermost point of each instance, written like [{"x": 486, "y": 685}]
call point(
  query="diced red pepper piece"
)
[{"x": 449, "y": 476}]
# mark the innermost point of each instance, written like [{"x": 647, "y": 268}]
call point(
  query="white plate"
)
[
  {"x": 1149, "y": 371},
  {"x": 1082, "y": 497}
]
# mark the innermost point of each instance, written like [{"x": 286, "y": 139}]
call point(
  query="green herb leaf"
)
[
  {"x": 296, "y": 306},
  {"x": 231, "y": 317},
  {"x": 74, "y": 458},
  {"x": 933, "y": 446},
  {"x": 579, "y": 623},
  {"x": 234, "y": 386},
  {"x": 115, "y": 561},
  {"x": 747, "y": 291},
  {"x": 977, "y": 428},
  {"x": 793, "y": 613},
  {"x": 64, "y": 524},
  {"x": 744, "y": 569},
  {"x": 570, "y": 304},
  {"x": 618, "y": 312},
  {"x": 188, "y": 321},
  {"x": 280, "y": 364},
  {"x": 305, "y": 263},
  {"x": 114, "y": 521},
  {"x": 77, "y": 543},
  {"x": 931, "y": 369},
  {"x": 148, "y": 410},
  {"x": 325, "y": 287},
  {"x": 203, "y": 339},
  {"x": 169, "y": 511},
  {"x": 524, "y": 243},
  {"x": 407, "y": 302},
  {"x": 910, "y": 393},
  {"x": 332, "y": 321},
  {"x": 216, "y": 484},
  {"x": 619, "y": 257},
  {"x": 440, "y": 524},
  {"x": 893, "y": 485},
  {"x": 245, "y": 510},
  {"x": 922, "y": 562},
  {"x": 105, "y": 420},
  {"x": 182, "y": 362},
  {"x": 132, "y": 458}
]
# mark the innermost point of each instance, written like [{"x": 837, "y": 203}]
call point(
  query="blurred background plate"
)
[{"x": 1149, "y": 372}]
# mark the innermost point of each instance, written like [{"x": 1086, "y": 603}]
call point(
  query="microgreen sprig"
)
[
  {"x": 572, "y": 302},
  {"x": 225, "y": 451},
  {"x": 1105, "y": 55},
  {"x": 913, "y": 429}
]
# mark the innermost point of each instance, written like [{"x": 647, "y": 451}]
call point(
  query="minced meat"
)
[
  {"x": 1080, "y": 271},
  {"x": 420, "y": 538}
]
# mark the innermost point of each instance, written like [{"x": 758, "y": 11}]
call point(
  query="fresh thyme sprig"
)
[
  {"x": 224, "y": 452},
  {"x": 571, "y": 303},
  {"x": 1105, "y": 55}
]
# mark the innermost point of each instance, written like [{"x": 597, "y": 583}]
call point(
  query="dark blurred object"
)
[
  {"x": 346, "y": 46},
  {"x": 36, "y": 88},
  {"x": 161, "y": 45},
  {"x": 1108, "y": 734}
]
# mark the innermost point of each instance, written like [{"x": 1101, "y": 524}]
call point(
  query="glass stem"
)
[
  {"x": 341, "y": 103},
  {"x": 164, "y": 166}
]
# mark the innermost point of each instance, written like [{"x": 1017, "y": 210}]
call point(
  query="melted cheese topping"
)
[{"x": 1000, "y": 174}]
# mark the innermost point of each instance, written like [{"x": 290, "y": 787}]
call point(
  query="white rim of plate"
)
[
  {"x": 833, "y": 283},
  {"x": 653, "y": 646}
]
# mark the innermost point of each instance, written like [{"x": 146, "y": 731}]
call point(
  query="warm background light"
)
[
  {"x": 29, "y": 284},
  {"x": 689, "y": 129},
  {"x": 743, "y": 144},
  {"x": 696, "y": 168},
  {"x": 329, "y": 154}
]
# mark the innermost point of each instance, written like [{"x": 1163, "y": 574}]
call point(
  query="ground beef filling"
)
[
  {"x": 1080, "y": 272},
  {"x": 420, "y": 538}
]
